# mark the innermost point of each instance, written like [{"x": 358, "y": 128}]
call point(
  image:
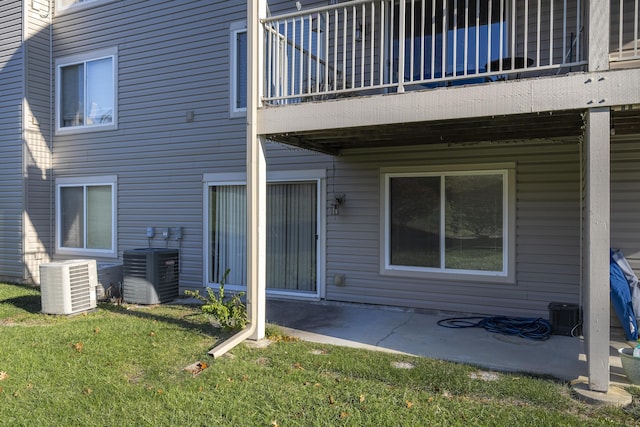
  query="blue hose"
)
[{"x": 525, "y": 327}]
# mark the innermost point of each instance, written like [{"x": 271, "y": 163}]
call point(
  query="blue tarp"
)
[
  {"x": 621, "y": 298},
  {"x": 632, "y": 280}
]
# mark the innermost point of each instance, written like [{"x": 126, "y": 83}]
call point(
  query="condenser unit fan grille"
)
[
  {"x": 80, "y": 288},
  {"x": 151, "y": 275},
  {"x": 68, "y": 286}
]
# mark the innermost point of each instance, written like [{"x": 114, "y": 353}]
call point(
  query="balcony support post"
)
[{"x": 596, "y": 244}]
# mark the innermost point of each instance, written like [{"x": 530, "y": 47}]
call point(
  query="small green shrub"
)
[{"x": 230, "y": 313}]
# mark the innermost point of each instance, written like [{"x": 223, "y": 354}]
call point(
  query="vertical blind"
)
[
  {"x": 291, "y": 235},
  {"x": 228, "y": 224}
]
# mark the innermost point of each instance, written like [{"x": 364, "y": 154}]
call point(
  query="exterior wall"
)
[
  {"x": 172, "y": 62},
  {"x": 625, "y": 197},
  {"x": 547, "y": 236},
  {"x": 12, "y": 89},
  {"x": 625, "y": 202},
  {"x": 160, "y": 157},
  {"x": 37, "y": 138}
]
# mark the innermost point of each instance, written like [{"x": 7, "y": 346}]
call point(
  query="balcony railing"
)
[
  {"x": 380, "y": 46},
  {"x": 625, "y": 21}
]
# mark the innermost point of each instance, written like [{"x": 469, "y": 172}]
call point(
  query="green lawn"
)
[{"x": 124, "y": 366}]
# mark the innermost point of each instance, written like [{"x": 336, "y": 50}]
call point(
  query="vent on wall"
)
[
  {"x": 150, "y": 275},
  {"x": 68, "y": 287}
]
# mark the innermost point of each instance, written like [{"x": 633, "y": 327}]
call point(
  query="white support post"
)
[
  {"x": 598, "y": 35},
  {"x": 596, "y": 246},
  {"x": 256, "y": 175}
]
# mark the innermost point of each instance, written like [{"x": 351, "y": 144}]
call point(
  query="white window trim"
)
[
  {"x": 83, "y": 58},
  {"x": 111, "y": 180},
  {"x": 509, "y": 215},
  {"x": 240, "y": 178},
  {"x": 61, "y": 10},
  {"x": 234, "y": 29}
]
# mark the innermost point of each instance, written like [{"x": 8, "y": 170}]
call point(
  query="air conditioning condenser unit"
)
[
  {"x": 68, "y": 287},
  {"x": 151, "y": 275}
]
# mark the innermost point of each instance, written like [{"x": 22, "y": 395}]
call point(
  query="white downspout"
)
[{"x": 256, "y": 188}]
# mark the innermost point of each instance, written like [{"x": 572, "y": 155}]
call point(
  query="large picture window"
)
[
  {"x": 447, "y": 222},
  {"x": 86, "y": 215},
  {"x": 86, "y": 92}
]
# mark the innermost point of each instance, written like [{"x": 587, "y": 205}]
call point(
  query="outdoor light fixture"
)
[
  {"x": 359, "y": 33},
  {"x": 337, "y": 203}
]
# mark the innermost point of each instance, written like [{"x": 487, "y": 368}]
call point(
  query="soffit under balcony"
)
[
  {"x": 500, "y": 111},
  {"x": 549, "y": 125}
]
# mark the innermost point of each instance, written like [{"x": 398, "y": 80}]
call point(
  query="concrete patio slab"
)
[{"x": 417, "y": 333}]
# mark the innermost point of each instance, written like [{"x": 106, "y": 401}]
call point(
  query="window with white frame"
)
[
  {"x": 86, "y": 91},
  {"x": 448, "y": 222},
  {"x": 86, "y": 215},
  {"x": 238, "y": 75}
]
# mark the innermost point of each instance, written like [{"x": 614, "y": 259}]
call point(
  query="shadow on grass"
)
[
  {"x": 33, "y": 304},
  {"x": 205, "y": 328},
  {"x": 29, "y": 303}
]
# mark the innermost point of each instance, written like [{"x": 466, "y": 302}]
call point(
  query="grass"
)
[{"x": 123, "y": 365}]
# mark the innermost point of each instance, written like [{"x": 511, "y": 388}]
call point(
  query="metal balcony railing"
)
[
  {"x": 625, "y": 22},
  {"x": 378, "y": 46}
]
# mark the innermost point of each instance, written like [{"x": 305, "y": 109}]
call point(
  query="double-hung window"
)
[
  {"x": 449, "y": 223},
  {"x": 238, "y": 75},
  {"x": 86, "y": 92},
  {"x": 86, "y": 215}
]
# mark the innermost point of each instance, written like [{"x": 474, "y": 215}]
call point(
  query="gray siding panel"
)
[
  {"x": 625, "y": 197},
  {"x": 547, "y": 223},
  {"x": 37, "y": 141},
  {"x": 173, "y": 58},
  {"x": 11, "y": 189}
]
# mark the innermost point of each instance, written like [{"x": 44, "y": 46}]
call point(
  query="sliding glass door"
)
[{"x": 292, "y": 230}]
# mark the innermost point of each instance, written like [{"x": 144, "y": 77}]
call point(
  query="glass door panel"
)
[{"x": 291, "y": 235}]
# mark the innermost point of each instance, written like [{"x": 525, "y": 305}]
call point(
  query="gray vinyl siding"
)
[
  {"x": 547, "y": 231},
  {"x": 625, "y": 201},
  {"x": 173, "y": 58},
  {"x": 625, "y": 197},
  {"x": 37, "y": 145},
  {"x": 11, "y": 88}
]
